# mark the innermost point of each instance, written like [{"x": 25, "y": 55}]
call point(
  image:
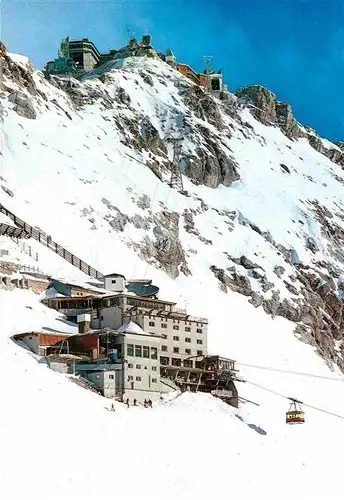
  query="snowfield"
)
[{"x": 59, "y": 441}]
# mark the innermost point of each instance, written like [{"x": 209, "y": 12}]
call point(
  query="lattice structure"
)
[{"x": 176, "y": 176}]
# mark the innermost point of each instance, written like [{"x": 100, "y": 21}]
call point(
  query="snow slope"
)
[
  {"x": 61, "y": 442},
  {"x": 59, "y": 171}
]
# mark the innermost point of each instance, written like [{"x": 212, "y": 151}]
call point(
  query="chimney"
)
[{"x": 84, "y": 322}]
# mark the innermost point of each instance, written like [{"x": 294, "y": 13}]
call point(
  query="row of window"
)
[
  {"x": 139, "y": 379},
  {"x": 175, "y": 327},
  {"x": 142, "y": 351},
  {"x": 177, "y": 350},
  {"x": 139, "y": 367},
  {"x": 188, "y": 340},
  {"x": 174, "y": 320},
  {"x": 178, "y": 362}
]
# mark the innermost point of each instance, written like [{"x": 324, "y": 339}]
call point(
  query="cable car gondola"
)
[{"x": 295, "y": 415}]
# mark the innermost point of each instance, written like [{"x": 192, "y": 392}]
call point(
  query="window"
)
[
  {"x": 130, "y": 365},
  {"x": 199, "y": 341},
  {"x": 138, "y": 351},
  {"x": 111, "y": 377},
  {"x": 154, "y": 380},
  {"x": 145, "y": 351},
  {"x": 199, "y": 330},
  {"x": 164, "y": 347},
  {"x": 130, "y": 377},
  {"x": 130, "y": 349},
  {"x": 151, "y": 323},
  {"x": 199, "y": 353},
  {"x": 188, "y": 363},
  {"x": 187, "y": 351},
  {"x": 187, "y": 329},
  {"x": 113, "y": 281},
  {"x": 164, "y": 361},
  {"x": 188, "y": 340},
  {"x": 153, "y": 368},
  {"x": 163, "y": 325},
  {"x": 175, "y": 327},
  {"x": 154, "y": 352},
  {"x": 138, "y": 367},
  {"x": 176, "y": 349},
  {"x": 163, "y": 336},
  {"x": 176, "y": 338},
  {"x": 138, "y": 379},
  {"x": 176, "y": 362}
]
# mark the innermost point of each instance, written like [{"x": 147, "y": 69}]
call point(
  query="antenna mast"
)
[{"x": 207, "y": 60}]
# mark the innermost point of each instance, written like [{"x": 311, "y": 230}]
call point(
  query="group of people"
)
[{"x": 148, "y": 403}]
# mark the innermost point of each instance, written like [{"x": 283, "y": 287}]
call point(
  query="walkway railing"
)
[{"x": 46, "y": 240}]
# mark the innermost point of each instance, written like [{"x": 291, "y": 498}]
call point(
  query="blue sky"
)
[{"x": 293, "y": 47}]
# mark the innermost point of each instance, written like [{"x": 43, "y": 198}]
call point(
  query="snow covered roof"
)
[
  {"x": 131, "y": 327},
  {"x": 114, "y": 275}
]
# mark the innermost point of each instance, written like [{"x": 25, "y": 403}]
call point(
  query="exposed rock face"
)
[
  {"x": 263, "y": 99},
  {"x": 315, "y": 141},
  {"x": 150, "y": 136},
  {"x": 166, "y": 248},
  {"x": 17, "y": 73},
  {"x": 285, "y": 119},
  {"x": 318, "y": 310},
  {"x": 23, "y": 105},
  {"x": 143, "y": 202},
  {"x": 115, "y": 218},
  {"x": 204, "y": 106},
  {"x": 3, "y": 49},
  {"x": 234, "y": 281},
  {"x": 212, "y": 167},
  {"x": 269, "y": 111}
]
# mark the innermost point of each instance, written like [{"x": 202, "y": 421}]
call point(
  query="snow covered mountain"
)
[{"x": 254, "y": 242}]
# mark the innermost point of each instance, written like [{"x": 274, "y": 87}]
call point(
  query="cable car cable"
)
[
  {"x": 304, "y": 404},
  {"x": 303, "y": 374}
]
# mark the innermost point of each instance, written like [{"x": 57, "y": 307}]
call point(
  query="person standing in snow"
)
[
  {"x": 135, "y": 401},
  {"x": 112, "y": 407},
  {"x": 127, "y": 402}
]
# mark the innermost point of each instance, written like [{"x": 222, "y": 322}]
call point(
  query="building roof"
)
[
  {"x": 114, "y": 275},
  {"x": 131, "y": 327}
]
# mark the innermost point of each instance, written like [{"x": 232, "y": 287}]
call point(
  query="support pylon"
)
[{"x": 176, "y": 176}]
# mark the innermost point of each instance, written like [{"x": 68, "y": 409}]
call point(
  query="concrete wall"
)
[
  {"x": 109, "y": 382},
  {"x": 89, "y": 61},
  {"x": 114, "y": 283},
  {"x": 111, "y": 317},
  {"x": 176, "y": 329},
  {"x": 142, "y": 374}
]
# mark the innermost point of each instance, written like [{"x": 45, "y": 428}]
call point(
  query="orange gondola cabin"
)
[{"x": 295, "y": 414}]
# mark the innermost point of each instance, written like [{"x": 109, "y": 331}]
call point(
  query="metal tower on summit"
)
[{"x": 176, "y": 175}]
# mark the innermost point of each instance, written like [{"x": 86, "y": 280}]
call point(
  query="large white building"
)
[{"x": 182, "y": 337}]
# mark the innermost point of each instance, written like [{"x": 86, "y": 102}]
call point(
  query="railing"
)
[{"x": 46, "y": 240}]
